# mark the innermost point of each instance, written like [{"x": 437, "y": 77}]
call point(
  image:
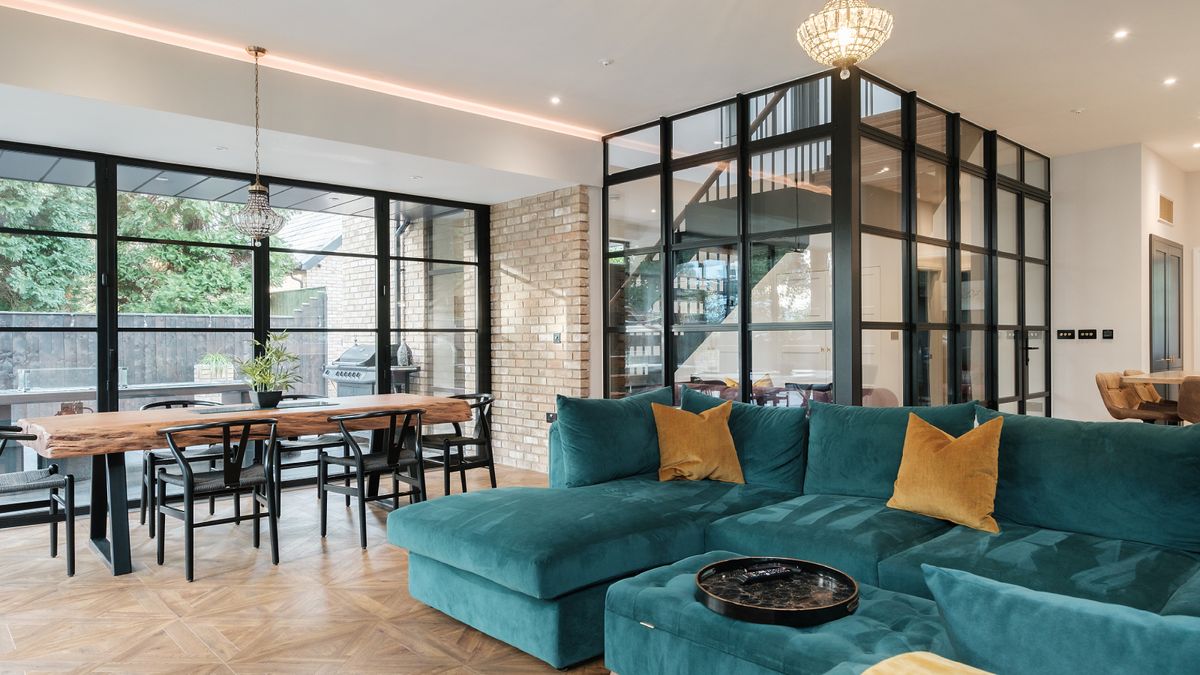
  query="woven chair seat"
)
[
  {"x": 28, "y": 481},
  {"x": 214, "y": 481},
  {"x": 374, "y": 461}
]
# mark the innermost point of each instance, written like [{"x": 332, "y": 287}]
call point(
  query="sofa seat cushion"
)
[
  {"x": 1186, "y": 599},
  {"x": 1079, "y": 565},
  {"x": 546, "y": 542},
  {"x": 653, "y": 625},
  {"x": 850, "y": 533}
]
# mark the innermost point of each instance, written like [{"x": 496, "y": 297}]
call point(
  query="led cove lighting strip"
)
[{"x": 58, "y": 10}]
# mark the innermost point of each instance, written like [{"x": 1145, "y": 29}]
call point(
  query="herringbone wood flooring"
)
[{"x": 329, "y": 607}]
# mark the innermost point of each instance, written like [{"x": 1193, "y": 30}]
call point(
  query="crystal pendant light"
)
[
  {"x": 257, "y": 219},
  {"x": 844, "y": 33}
]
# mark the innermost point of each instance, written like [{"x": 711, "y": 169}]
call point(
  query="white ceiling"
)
[{"x": 1019, "y": 66}]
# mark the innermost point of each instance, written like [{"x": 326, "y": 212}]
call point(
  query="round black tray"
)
[{"x": 782, "y": 591}]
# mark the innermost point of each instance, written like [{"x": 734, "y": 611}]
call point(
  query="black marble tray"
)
[{"x": 782, "y": 591}]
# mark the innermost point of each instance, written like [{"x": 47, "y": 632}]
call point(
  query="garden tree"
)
[{"x": 45, "y": 274}]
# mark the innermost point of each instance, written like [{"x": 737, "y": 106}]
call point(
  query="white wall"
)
[
  {"x": 1096, "y": 228},
  {"x": 1104, "y": 210}
]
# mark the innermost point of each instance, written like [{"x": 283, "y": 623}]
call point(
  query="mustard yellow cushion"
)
[
  {"x": 764, "y": 381},
  {"x": 921, "y": 663},
  {"x": 696, "y": 447},
  {"x": 729, "y": 382},
  {"x": 950, "y": 478}
]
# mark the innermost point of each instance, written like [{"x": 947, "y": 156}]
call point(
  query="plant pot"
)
[{"x": 266, "y": 399}]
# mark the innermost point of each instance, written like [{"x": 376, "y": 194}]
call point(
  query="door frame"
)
[{"x": 1162, "y": 243}]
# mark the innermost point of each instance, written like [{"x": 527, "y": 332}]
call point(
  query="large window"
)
[
  {"x": 124, "y": 283},
  {"x": 827, "y": 240}
]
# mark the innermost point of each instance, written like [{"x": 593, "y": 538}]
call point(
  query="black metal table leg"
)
[{"x": 110, "y": 501}]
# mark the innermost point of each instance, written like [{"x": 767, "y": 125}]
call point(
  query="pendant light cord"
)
[{"x": 256, "y": 119}]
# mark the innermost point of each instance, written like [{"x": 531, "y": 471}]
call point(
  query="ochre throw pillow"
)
[
  {"x": 921, "y": 663},
  {"x": 950, "y": 478},
  {"x": 696, "y": 447}
]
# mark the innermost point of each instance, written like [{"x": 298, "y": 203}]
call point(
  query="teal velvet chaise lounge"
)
[{"x": 1102, "y": 511}]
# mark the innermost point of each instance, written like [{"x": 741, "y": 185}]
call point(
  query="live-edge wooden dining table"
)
[{"x": 106, "y": 437}]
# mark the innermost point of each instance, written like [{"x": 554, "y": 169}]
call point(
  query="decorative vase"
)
[
  {"x": 404, "y": 354},
  {"x": 265, "y": 399}
]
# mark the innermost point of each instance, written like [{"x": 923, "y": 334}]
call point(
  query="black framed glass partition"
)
[
  {"x": 827, "y": 239},
  {"x": 125, "y": 283}
]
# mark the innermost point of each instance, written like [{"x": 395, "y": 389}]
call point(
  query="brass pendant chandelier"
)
[
  {"x": 257, "y": 219},
  {"x": 844, "y": 33}
]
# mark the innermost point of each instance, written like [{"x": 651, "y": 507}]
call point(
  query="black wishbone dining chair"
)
[
  {"x": 400, "y": 450},
  {"x": 454, "y": 457},
  {"x": 37, "y": 480},
  {"x": 231, "y": 479},
  {"x": 151, "y": 459},
  {"x": 317, "y": 443}
]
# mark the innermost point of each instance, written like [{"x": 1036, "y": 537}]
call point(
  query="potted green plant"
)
[{"x": 272, "y": 372}]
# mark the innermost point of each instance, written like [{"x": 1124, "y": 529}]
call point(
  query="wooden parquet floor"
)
[{"x": 329, "y": 607}]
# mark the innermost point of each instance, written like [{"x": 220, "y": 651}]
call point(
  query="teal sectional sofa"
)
[{"x": 1102, "y": 511}]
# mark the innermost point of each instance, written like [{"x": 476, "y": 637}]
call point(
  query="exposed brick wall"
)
[{"x": 539, "y": 288}]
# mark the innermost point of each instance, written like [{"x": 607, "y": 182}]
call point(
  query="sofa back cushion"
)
[
  {"x": 770, "y": 440},
  {"x": 597, "y": 440},
  {"x": 856, "y": 451},
  {"x": 1003, "y": 628},
  {"x": 1137, "y": 482}
]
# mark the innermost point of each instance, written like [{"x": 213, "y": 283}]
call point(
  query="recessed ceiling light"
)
[
  {"x": 161, "y": 178},
  {"x": 606, "y": 62},
  {"x": 1196, "y": 146},
  {"x": 1077, "y": 111},
  {"x": 1170, "y": 81},
  {"x": 653, "y": 210},
  {"x": 1121, "y": 34},
  {"x": 222, "y": 148},
  {"x": 416, "y": 177},
  {"x": 554, "y": 100}
]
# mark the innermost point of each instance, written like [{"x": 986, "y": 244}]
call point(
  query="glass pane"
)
[
  {"x": 432, "y": 295},
  {"x": 882, "y": 278},
  {"x": 1008, "y": 159},
  {"x": 635, "y": 290},
  {"x": 931, "y": 283},
  {"x": 790, "y": 188},
  {"x": 156, "y": 204},
  {"x": 791, "y": 109},
  {"x": 51, "y": 279},
  {"x": 933, "y": 359},
  {"x": 1035, "y": 294},
  {"x": 706, "y": 205},
  {"x": 1036, "y": 407},
  {"x": 881, "y": 175},
  {"x": 428, "y": 231},
  {"x": 29, "y": 205},
  {"x": 162, "y": 365},
  {"x": 634, "y": 362},
  {"x": 704, "y": 131},
  {"x": 633, "y": 219},
  {"x": 972, "y": 229},
  {"x": 1006, "y": 221},
  {"x": 1035, "y": 229},
  {"x": 319, "y": 220},
  {"x": 326, "y": 291},
  {"x": 193, "y": 286},
  {"x": 634, "y": 149},
  {"x": 972, "y": 348},
  {"x": 1012, "y": 407},
  {"x": 790, "y": 279},
  {"x": 973, "y": 287},
  {"x": 1006, "y": 282},
  {"x": 881, "y": 107},
  {"x": 883, "y": 368},
  {"x": 792, "y": 366},
  {"x": 318, "y": 349},
  {"x": 40, "y": 371},
  {"x": 1006, "y": 375},
  {"x": 706, "y": 285},
  {"x": 931, "y": 199},
  {"x": 1036, "y": 340},
  {"x": 1037, "y": 170},
  {"x": 970, "y": 143},
  {"x": 440, "y": 364},
  {"x": 707, "y": 357},
  {"x": 931, "y": 127}
]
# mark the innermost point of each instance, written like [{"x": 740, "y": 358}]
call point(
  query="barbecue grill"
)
[{"x": 353, "y": 371}]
